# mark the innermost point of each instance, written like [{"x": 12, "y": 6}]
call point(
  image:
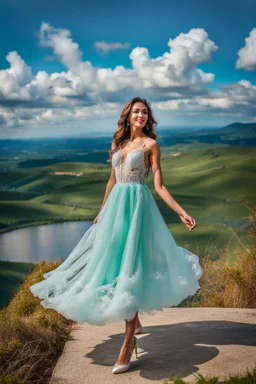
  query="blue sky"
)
[{"x": 69, "y": 67}]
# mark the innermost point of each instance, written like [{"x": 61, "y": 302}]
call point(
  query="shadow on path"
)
[{"x": 176, "y": 349}]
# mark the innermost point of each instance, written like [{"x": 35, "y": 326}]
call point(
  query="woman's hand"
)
[
  {"x": 188, "y": 221},
  {"x": 96, "y": 219}
]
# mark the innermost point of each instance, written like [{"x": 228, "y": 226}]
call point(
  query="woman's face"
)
[{"x": 139, "y": 115}]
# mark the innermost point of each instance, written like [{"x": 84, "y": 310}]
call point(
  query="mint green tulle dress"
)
[{"x": 127, "y": 262}]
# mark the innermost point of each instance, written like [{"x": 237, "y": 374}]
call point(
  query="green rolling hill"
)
[
  {"x": 208, "y": 183},
  {"x": 238, "y": 130}
]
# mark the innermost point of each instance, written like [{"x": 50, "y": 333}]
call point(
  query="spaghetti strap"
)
[{"x": 145, "y": 142}]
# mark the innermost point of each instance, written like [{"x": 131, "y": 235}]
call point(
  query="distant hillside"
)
[
  {"x": 238, "y": 134},
  {"x": 26, "y": 154},
  {"x": 240, "y": 130}
]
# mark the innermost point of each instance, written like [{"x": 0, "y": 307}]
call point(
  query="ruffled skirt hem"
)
[{"x": 128, "y": 262}]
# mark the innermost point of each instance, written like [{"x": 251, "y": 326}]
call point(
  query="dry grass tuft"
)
[
  {"x": 31, "y": 338},
  {"x": 230, "y": 286}
]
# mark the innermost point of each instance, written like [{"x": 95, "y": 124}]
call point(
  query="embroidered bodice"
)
[{"x": 132, "y": 169}]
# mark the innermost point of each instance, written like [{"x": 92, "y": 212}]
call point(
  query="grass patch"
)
[
  {"x": 228, "y": 285},
  {"x": 31, "y": 338},
  {"x": 248, "y": 378}
]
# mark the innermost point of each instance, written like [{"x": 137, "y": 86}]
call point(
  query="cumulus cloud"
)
[
  {"x": 247, "y": 54},
  {"x": 235, "y": 99},
  {"x": 69, "y": 54},
  {"x": 104, "y": 47},
  {"x": 243, "y": 96},
  {"x": 177, "y": 68},
  {"x": 13, "y": 80},
  {"x": 172, "y": 81}
]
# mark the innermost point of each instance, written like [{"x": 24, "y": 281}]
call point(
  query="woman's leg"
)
[
  {"x": 128, "y": 343},
  {"x": 138, "y": 324}
]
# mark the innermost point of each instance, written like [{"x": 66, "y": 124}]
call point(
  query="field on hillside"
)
[
  {"x": 11, "y": 276},
  {"x": 208, "y": 184}
]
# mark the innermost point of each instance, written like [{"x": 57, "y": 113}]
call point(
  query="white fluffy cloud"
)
[
  {"x": 172, "y": 81},
  {"x": 247, "y": 54},
  {"x": 177, "y": 68},
  {"x": 104, "y": 47},
  {"x": 235, "y": 99},
  {"x": 13, "y": 80}
]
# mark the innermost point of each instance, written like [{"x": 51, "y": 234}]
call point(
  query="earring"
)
[
  {"x": 146, "y": 127},
  {"x": 127, "y": 125}
]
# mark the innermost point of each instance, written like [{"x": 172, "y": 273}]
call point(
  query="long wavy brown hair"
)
[{"x": 122, "y": 134}]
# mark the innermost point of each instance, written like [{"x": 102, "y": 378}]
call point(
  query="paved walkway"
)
[{"x": 176, "y": 341}]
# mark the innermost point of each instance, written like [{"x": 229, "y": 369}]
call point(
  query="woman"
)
[{"x": 127, "y": 262}]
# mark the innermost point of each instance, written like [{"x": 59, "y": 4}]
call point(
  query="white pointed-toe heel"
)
[
  {"x": 122, "y": 368},
  {"x": 138, "y": 330}
]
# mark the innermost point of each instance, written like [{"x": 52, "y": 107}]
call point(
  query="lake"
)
[{"x": 49, "y": 242}]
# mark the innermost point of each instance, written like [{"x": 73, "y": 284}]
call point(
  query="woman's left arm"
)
[{"x": 161, "y": 190}]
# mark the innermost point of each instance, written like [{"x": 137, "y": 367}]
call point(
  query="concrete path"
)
[{"x": 176, "y": 341}]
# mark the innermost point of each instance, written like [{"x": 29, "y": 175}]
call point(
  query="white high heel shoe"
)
[
  {"x": 122, "y": 368},
  {"x": 138, "y": 330}
]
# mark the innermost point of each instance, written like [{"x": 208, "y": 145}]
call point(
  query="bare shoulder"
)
[{"x": 153, "y": 144}]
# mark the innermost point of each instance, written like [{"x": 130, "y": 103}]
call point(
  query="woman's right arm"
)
[{"x": 110, "y": 184}]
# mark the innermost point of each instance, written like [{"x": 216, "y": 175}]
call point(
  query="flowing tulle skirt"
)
[{"x": 127, "y": 262}]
